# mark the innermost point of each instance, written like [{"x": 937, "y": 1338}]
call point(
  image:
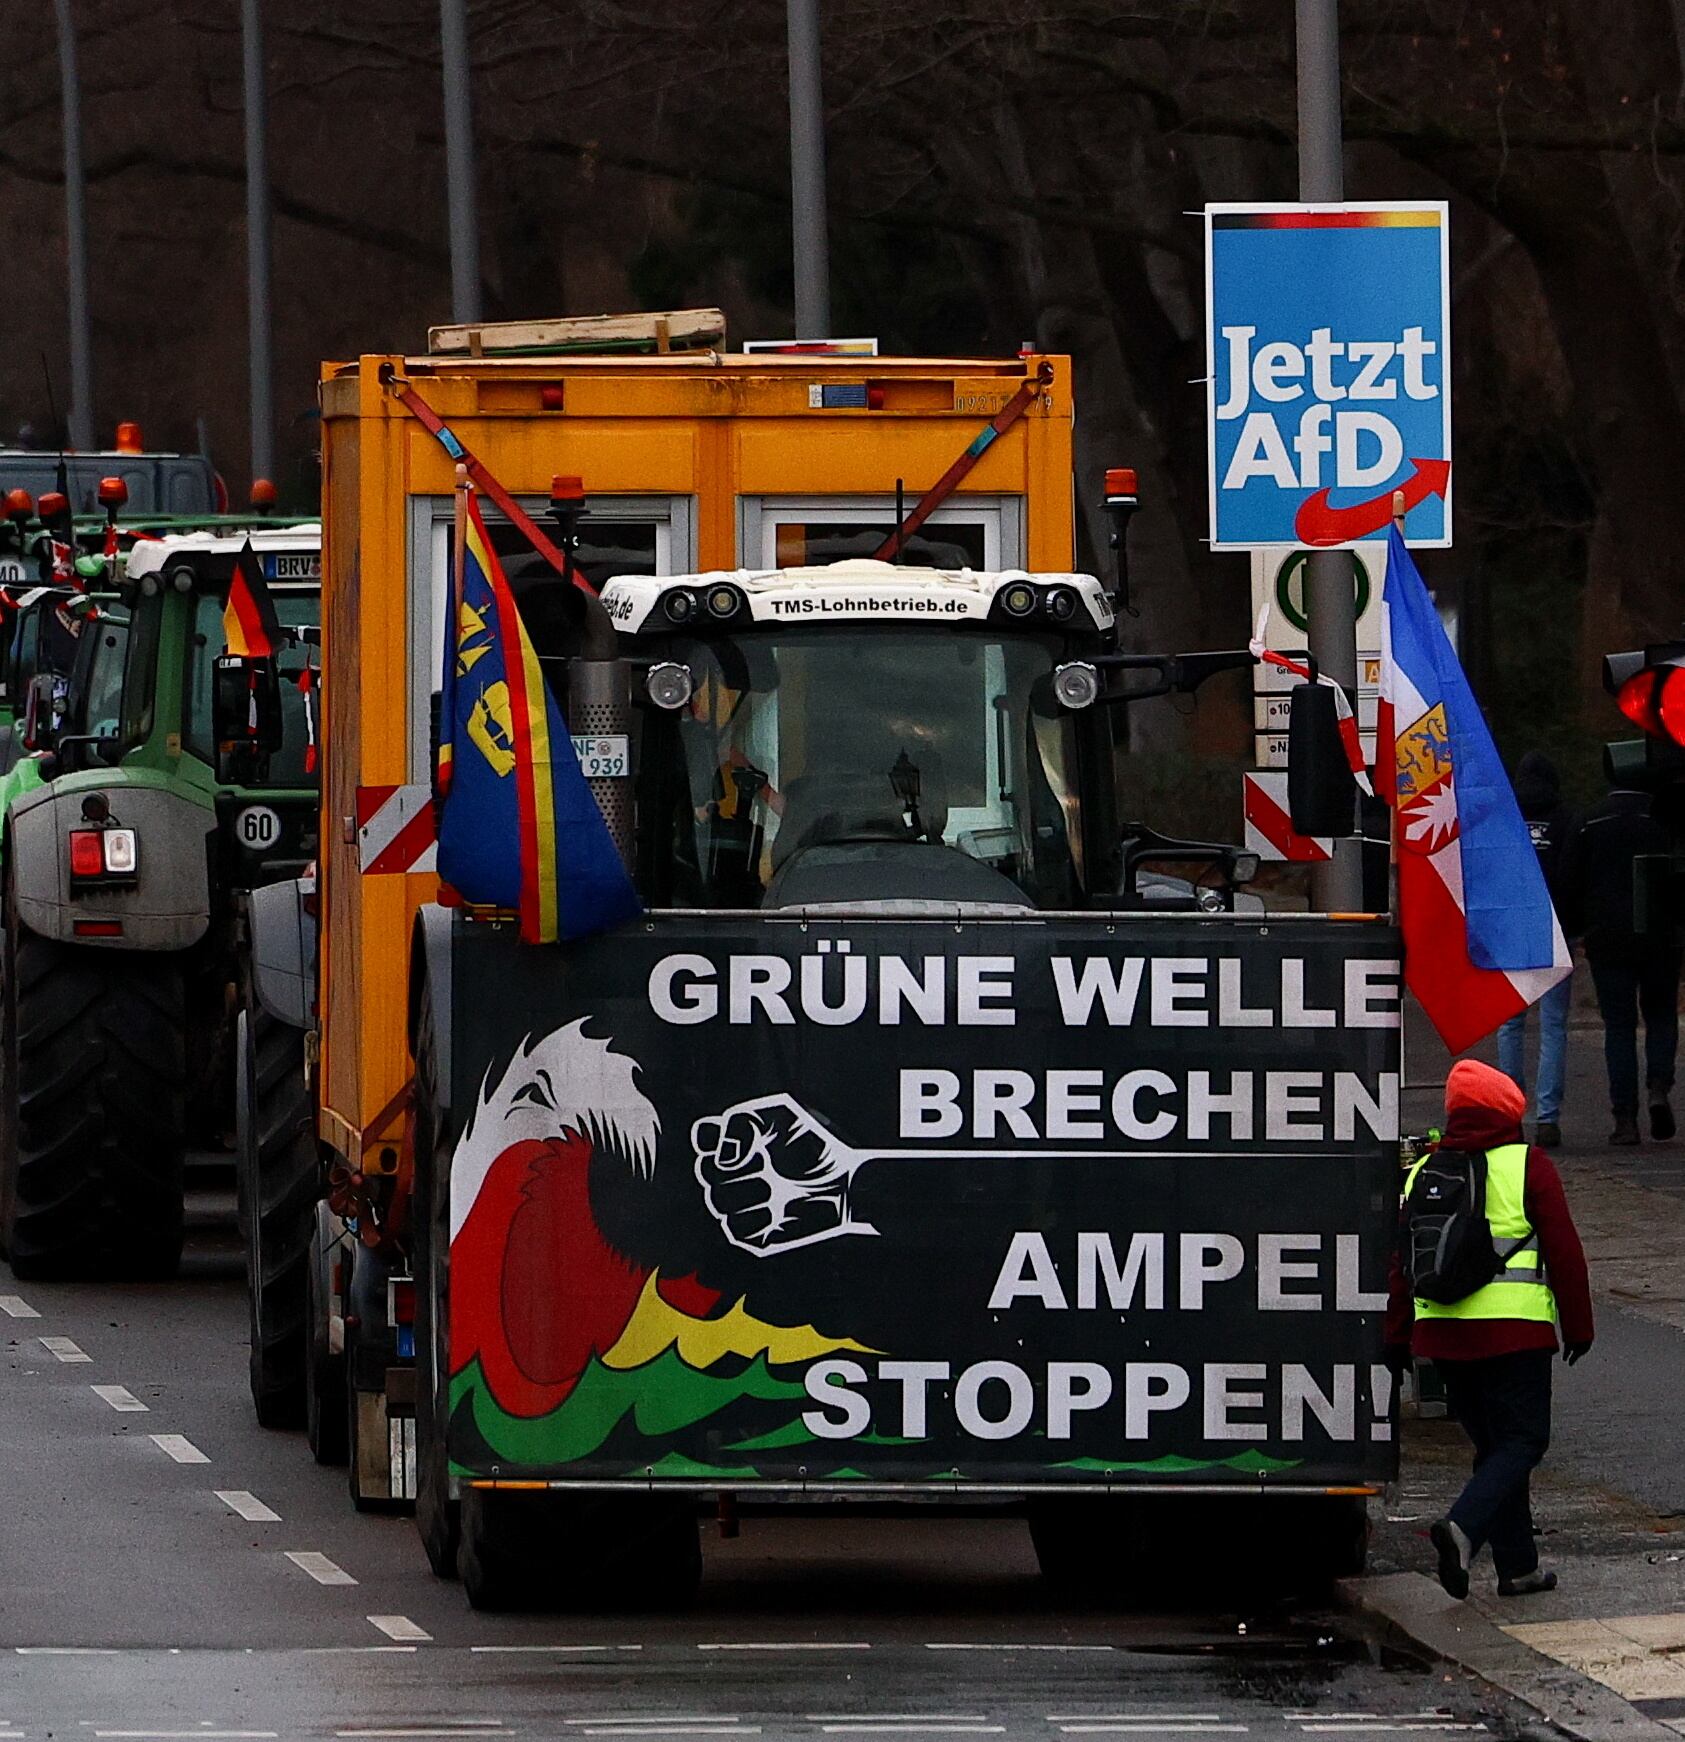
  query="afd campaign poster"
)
[
  {"x": 1328, "y": 338},
  {"x": 833, "y": 1203}
]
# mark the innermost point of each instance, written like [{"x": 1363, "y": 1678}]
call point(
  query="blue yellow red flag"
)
[{"x": 518, "y": 827}]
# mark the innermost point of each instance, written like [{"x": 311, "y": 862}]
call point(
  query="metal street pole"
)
[
  {"x": 81, "y": 416},
  {"x": 259, "y": 322},
  {"x": 807, "y": 174},
  {"x": 459, "y": 162},
  {"x": 1330, "y": 595}
]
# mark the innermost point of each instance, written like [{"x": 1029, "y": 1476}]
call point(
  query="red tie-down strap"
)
[{"x": 441, "y": 432}]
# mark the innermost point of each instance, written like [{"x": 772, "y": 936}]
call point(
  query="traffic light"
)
[{"x": 1649, "y": 688}]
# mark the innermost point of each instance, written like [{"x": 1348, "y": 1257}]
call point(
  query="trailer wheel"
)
[
  {"x": 326, "y": 1423},
  {"x": 438, "y": 1516},
  {"x": 277, "y": 1177},
  {"x": 92, "y": 1132}
]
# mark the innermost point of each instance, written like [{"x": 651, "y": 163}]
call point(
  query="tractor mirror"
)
[
  {"x": 39, "y": 725},
  {"x": 245, "y": 716},
  {"x": 1321, "y": 794}
]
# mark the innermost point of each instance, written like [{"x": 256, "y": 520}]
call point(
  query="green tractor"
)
[{"x": 141, "y": 811}]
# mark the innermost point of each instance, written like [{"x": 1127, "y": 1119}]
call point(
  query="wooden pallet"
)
[{"x": 685, "y": 329}]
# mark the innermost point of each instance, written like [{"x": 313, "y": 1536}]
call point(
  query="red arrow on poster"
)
[{"x": 1318, "y": 524}]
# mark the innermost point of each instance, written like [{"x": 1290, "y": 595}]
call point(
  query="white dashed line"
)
[
  {"x": 326, "y": 1572},
  {"x": 1134, "y": 1717},
  {"x": 619, "y": 1720},
  {"x": 176, "y": 1735},
  {"x": 179, "y": 1447},
  {"x": 1383, "y": 1727},
  {"x": 970, "y": 1645},
  {"x": 120, "y": 1398},
  {"x": 62, "y": 1349},
  {"x": 678, "y": 1730},
  {"x": 399, "y": 1627},
  {"x": 65, "y": 1650},
  {"x": 786, "y": 1645},
  {"x": 558, "y": 1648},
  {"x": 897, "y": 1717},
  {"x": 467, "y": 1727},
  {"x": 247, "y": 1504},
  {"x": 16, "y": 1307},
  {"x": 928, "y": 1728},
  {"x": 1153, "y": 1727}
]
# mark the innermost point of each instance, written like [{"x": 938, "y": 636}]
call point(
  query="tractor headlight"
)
[
  {"x": 1076, "y": 685},
  {"x": 670, "y": 685}
]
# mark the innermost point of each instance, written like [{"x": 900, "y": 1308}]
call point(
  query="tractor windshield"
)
[
  {"x": 806, "y": 764},
  {"x": 297, "y": 609}
]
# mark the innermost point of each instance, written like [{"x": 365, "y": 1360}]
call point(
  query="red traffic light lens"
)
[{"x": 1654, "y": 701}]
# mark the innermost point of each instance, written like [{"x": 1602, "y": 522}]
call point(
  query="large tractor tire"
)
[
  {"x": 92, "y": 1128},
  {"x": 438, "y": 1516},
  {"x": 277, "y": 1178},
  {"x": 580, "y": 1551}
]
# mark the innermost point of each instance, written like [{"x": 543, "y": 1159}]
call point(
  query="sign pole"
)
[
  {"x": 461, "y": 194},
  {"x": 259, "y": 324},
  {"x": 81, "y": 413},
  {"x": 807, "y": 174},
  {"x": 1330, "y": 607}
]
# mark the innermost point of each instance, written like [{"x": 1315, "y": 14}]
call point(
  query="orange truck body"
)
[{"x": 719, "y": 440}]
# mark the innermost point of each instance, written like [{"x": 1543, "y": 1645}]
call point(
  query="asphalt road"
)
[{"x": 169, "y": 1569}]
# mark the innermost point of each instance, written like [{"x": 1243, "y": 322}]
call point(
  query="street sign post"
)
[{"x": 1328, "y": 335}]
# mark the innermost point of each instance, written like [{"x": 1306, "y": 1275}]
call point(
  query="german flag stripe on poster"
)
[{"x": 249, "y": 624}]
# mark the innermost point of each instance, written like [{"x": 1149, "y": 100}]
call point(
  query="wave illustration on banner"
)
[{"x": 562, "y": 1346}]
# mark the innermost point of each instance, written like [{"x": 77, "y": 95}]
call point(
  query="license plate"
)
[
  {"x": 603, "y": 757},
  {"x": 295, "y": 566}
]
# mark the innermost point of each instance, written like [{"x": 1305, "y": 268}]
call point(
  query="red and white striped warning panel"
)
[
  {"x": 395, "y": 830},
  {"x": 1269, "y": 829}
]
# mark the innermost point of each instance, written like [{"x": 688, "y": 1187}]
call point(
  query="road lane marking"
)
[
  {"x": 974, "y": 1645},
  {"x": 120, "y": 1398},
  {"x": 535, "y": 1648},
  {"x": 399, "y": 1627},
  {"x": 1153, "y": 1727},
  {"x": 179, "y": 1447},
  {"x": 1387, "y": 1727},
  {"x": 62, "y": 1349},
  {"x": 65, "y": 1650},
  {"x": 247, "y": 1504},
  {"x": 326, "y": 1572},
  {"x": 462, "y": 1727},
  {"x": 177, "y": 1735},
  {"x": 896, "y": 1717},
  {"x": 786, "y": 1645},
  {"x": 927, "y": 1728},
  {"x": 678, "y": 1730},
  {"x": 15, "y": 1306},
  {"x": 1134, "y": 1717}
]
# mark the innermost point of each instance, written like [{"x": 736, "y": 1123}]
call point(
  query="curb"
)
[{"x": 1414, "y": 1608}]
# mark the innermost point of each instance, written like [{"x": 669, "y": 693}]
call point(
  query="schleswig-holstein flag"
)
[
  {"x": 1481, "y": 939},
  {"x": 518, "y": 827}
]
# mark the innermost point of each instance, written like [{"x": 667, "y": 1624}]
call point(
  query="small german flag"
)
[{"x": 249, "y": 623}]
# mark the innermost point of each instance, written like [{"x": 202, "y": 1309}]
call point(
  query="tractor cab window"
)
[
  {"x": 296, "y": 609},
  {"x": 816, "y": 765},
  {"x": 99, "y": 708}
]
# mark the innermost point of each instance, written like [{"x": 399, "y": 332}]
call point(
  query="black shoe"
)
[
  {"x": 1452, "y": 1548},
  {"x": 1527, "y": 1584},
  {"x": 1626, "y": 1129},
  {"x": 1548, "y": 1134},
  {"x": 1662, "y": 1126}
]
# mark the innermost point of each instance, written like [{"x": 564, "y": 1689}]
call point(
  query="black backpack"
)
[{"x": 1448, "y": 1251}]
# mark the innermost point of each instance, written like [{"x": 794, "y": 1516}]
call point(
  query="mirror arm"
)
[{"x": 1178, "y": 673}]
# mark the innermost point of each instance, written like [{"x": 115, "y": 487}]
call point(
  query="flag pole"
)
[{"x": 459, "y": 548}]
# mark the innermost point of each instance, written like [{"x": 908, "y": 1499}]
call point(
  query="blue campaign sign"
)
[{"x": 1328, "y": 333}]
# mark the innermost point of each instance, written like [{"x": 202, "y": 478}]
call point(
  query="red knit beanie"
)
[{"x": 1472, "y": 1084}]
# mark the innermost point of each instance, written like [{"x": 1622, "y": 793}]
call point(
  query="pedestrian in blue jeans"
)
[
  {"x": 1635, "y": 970},
  {"x": 1538, "y": 791}
]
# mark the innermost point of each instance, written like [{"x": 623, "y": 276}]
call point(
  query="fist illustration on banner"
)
[{"x": 773, "y": 1177}]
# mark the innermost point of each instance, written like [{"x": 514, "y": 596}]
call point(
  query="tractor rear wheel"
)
[
  {"x": 92, "y": 1129},
  {"x": 277, "y": 1176}
]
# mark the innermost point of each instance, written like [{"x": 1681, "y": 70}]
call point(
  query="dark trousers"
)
[
  {"x": 1627, "y": 987},
  {"x": 1503, "y": 1403}
]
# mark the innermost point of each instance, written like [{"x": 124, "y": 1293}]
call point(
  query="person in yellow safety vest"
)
[{"x": 1493, "y": 1348}]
